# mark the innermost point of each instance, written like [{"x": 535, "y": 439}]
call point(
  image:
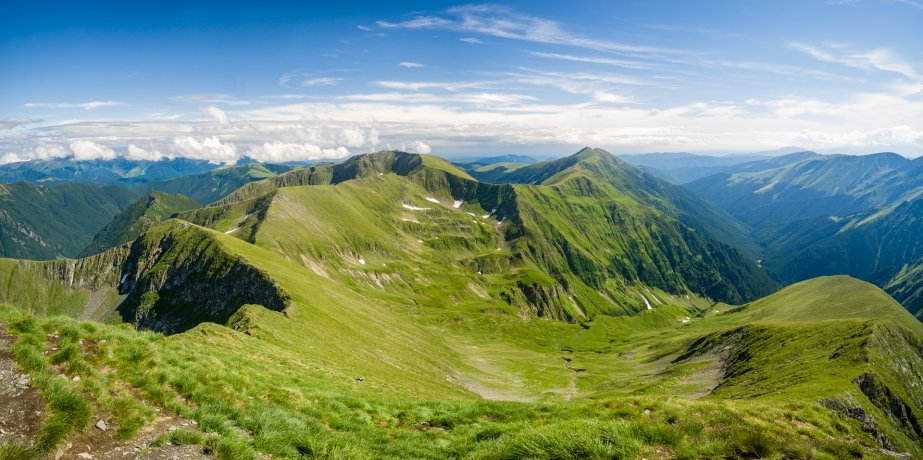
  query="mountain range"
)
[{"x": 397, "y": 305}]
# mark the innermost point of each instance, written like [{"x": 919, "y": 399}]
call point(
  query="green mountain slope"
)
[
  {"x": 141, "y": 215},
  {"x": 906, "y": 286},
  {"x": 214, "y": 185},
  {"x": 761, "y": 368},
  {"x": 119, "y": 171},
  {"x": 568, "y": 250},
  {"x": 45, "y": 222},
  {"x": 681, "y": 168},
  {"x": 672, "y": 200},
  {"x": 807, "y": 185},
  {"x": 875, "y": 245}
]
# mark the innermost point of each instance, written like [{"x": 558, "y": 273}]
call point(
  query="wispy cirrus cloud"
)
[
  {"x": 502, "y": 22},
  {"x": 429, "y": 85},
  {"x": 410, "y": 65},
  {"x": 321, "y": 81},
  {"x": 880, "y": 59},
  {"x": 212, "y": 99},
  {"x": 625, "y": 63},
  {"x": 70, "y": 105}
]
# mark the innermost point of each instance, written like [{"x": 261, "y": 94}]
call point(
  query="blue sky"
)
[{"x": 280, "y": 81}]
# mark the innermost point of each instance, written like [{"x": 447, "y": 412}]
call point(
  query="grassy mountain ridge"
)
[
  {"x": 643, "y": 188},
  {"x": 218, "y": 183},
  {"x": 620, "y": 241},
  {"x": 810, "y": 186},
  {"x": 150, "y": 209},
  {"x": 875, "y": 245}
]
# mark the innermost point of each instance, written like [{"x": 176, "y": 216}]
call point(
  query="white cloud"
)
[
  {"x": 626, "y": 63},
  {"x": 880, "y": 59},
  {"x": 212, "y": 99},
  {"x": 138, "y": 153},
  {"x": 364, "y": 28},
  {"x": 321, "y": 81},
  {"x": 410, "y": 65},
  {"x": 42, "y": 151},
  {"x": 420, "y": 85},
  {"x": 89, "y": 150},
  {"x": 218, "y": 115},
  {"x": 503, "y": 22},
  {"x": 416, "y": 146},
  {"x": 471, "y": 40},
  {"x": 13, "y": 122},
  {"x": 210, "y": 148},
  {"x": 280, "y": 152},
  {"x": 67, "y": 105},
  {"x": 605, "y": 96}
]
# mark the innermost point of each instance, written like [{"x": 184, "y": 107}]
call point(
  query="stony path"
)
[
  {"x": 21, "y": 408},
  {"x": 20, "y": 405}
]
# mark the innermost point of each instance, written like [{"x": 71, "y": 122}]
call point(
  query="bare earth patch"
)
[{"x": 21, "y": 405}]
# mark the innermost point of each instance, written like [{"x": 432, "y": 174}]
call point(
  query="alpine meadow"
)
[{"x": 431, "y": 230}]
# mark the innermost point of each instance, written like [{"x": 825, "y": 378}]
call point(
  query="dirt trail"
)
[
  {"x": 94, "y": 443},
  {"x": 21, "y": 408},
  {"x": 21, "y": 405},
  {"x": 571, "y": 392}
]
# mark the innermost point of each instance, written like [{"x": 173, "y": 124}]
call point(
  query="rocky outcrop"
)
[
  {"x": 94, "y": 272},
  {"x": 850, "y": 409},
  {"x": 891, "y": 404},
  {"x": 178, "y": 275}
]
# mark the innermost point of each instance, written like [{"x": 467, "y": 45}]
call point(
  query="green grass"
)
[
  {"x": 239, "y": 412},
  {"x": 452, "y": 322},
  {"x": 242, "y": 392}
]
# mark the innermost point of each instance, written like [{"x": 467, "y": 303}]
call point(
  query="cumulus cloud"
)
[
  {"x": 218, "y": 115},
  {"x": 68, "y": 105},
  {"x": 137, "y": 153},
  {"x": 210, "y": 148},
  {"x": 280, "y": 152},
  {"x": 42, "y": 151},
  {"x": 89, "y": 150},
  {"x": 417, "y": 146}
]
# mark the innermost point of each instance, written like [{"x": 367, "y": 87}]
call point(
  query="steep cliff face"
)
[
  {"x": 178, "y": 275},
  {"x": 172, "y": 278},
  {"x": 94, "y": 272},
  {"x": 82, "y": 288}
]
